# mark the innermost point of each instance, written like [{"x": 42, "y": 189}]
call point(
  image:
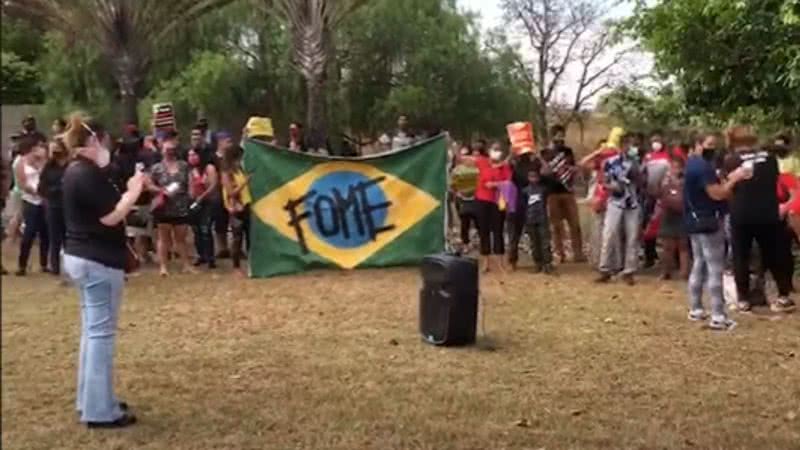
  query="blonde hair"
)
[
  {"x": 741, "y": 136},
  {"x": 80, "y": 128}
]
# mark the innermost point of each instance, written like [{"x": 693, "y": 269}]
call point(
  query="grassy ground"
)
[{"x": 334, "y": 361}]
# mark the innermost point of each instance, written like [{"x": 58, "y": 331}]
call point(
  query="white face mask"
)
[
  {"x": 495, "y": 155},
  {"x": 657, "y": 146},
  {"x": 103, "y": 157}
]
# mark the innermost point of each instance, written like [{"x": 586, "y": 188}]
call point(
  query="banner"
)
[{"x": 312, "y": 211}]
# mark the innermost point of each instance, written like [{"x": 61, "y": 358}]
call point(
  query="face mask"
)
[
  {"x": 658, "y": 146},
  {"x": 103, "y": 157},
  {"x": 495, "y": 155},
  {"x": 709, "y": 153},
  {"x": 633, "y": 152}
]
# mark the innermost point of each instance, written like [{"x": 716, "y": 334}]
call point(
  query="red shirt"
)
[
  {"x": 198, "y": 182},
  {"x": 487, "y": 173}
]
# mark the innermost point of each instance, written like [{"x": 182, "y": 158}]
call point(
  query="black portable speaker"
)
[{"x": 448, "y": 304}]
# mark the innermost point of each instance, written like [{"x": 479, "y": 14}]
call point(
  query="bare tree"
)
[
  {"x": 566, "y": 37},
  {"x": 126, "y": 32}
]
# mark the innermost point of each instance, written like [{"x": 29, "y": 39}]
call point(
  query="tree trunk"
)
[
  {"x": 127, "y": 74},
  {"x": 130, "y": 109},
  {"x": 317, "y": 127},
  {"x": 540, "y": 125}
]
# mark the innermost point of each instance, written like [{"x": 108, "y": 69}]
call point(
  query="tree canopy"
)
[{"x": 728, "y": 55}]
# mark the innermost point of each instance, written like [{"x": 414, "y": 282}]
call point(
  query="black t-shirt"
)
[
  {"x": 88, "y": 196},
  {"x": 755, "y": 201},
  {"x": 561, "y": 160},
  {"x": 50, "y": 184}
]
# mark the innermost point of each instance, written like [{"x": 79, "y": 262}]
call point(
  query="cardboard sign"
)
[
  {"x": 521, "y": 136},
  {"x": 164, "y": 117}
]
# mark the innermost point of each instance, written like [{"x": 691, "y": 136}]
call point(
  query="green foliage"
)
[
  {"x": 423, "y": 58},
  {"x": 728, "y": 55},
  {"x": 20, "y": 82}
]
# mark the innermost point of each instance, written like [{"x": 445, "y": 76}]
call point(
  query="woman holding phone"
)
[
  {"x": 95, "y": 257},
  {"x": 170, "y": 182}
]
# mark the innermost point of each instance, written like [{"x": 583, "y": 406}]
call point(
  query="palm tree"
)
[
  {"x": 312, "y": 24},
  {"x": 126, "y": 32}
]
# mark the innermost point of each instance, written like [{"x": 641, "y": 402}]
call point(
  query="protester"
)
[
  {"x": 219, "y": 214},
  {"x": 521, "y": 165},
  {"x": 14, "y": 212},
  {"x": 297, "y": 138},
  {"x": 28, "y": 171},
  {"x": 29, "y": 130},
  {"x": 656, "y": 165},
  {"x": 594, "y": 162},
  {"x": 537, "y": 223},
  {"x": 402, "y": 137},
  {"x": 672, "y": 230},
  {"x": 622, "y": 179},
  {"x": 202, "y": 188},
  {"x": 492, "y": 171},
  {"x": 464, "y": 178},
  {"x": 50, "y": 189},
  {"x": 199, "y": 145},
  {"x": 237, "y": 199},
  {"x": 5, "y": 190},
  {"x": 562, "y": 204},
  {"x": 704, "y": 206},
  {"x": 789, "y": 165},
  {"x": 95, "y": 258},
  {"x": 755, "y": 215},
  {"x": 208, "y": 136},
  {"x": 170, "y": 184},
  {"x": 58, "y": 127}
]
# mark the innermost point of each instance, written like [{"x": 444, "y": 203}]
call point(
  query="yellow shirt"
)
[
  {"x": 239, "y": 179},
  {"x": 790, "y": 164}
]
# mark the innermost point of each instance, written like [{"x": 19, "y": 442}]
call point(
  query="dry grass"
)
[{"x": 334, "y": 361}]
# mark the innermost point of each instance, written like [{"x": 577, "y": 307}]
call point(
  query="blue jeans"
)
[
  {"x": 203, "y": 239},
  {"x": 709, "y": 263},
  {"x": 100, "y": 290}
]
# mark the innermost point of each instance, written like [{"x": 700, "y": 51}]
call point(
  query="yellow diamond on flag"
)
[{"x": 344, "y": 211}]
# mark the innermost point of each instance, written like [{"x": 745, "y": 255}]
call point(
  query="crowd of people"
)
[
  {"x": 200, "y": 187},
  {"x": 95, "y": 204},
  {"x": 703, "y": 205}
]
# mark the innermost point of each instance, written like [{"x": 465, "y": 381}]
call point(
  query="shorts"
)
[
  {"x": 174, "y": 221},
  {"x": 13, "y": 206}
]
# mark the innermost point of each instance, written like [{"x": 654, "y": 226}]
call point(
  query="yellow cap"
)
[
  {"x": 259, "y": 126},
  {"x": 615, "y": 137}
]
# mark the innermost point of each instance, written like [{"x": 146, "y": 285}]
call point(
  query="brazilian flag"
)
[{"x": 313, "y": 211}]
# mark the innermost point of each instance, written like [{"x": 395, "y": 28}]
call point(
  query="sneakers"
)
[
  {"x": 603, "y": 278},
  {"x": 697, "y": 315},
  {"x": 744, "y": 306},
  {"x": 721, "y": 324},
  {"x": 782, "y": 305}
]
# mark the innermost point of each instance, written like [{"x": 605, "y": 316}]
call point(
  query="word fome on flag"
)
[{"x": 313, "y": 211}]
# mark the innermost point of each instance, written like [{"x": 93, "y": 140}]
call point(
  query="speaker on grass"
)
[{"x": 448, "y": 305}]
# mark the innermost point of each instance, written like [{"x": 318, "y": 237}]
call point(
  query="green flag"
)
[{"x": 313, "y": 211}]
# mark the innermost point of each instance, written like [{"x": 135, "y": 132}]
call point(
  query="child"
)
[
  {"x": 537, "y": 223},
  {"x": 672, "y": 231}
]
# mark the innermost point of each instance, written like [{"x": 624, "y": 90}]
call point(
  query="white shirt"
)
[{"x": 32, "y": 182}]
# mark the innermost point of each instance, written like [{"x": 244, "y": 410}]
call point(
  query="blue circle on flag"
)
[{"x": 340, "y": 211}]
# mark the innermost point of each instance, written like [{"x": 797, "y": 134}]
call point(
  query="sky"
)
[{"x": 491, "y": 16}]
